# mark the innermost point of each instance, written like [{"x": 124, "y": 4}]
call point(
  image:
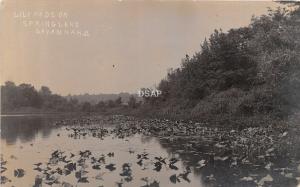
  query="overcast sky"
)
[{"x": 130, "y": 44}]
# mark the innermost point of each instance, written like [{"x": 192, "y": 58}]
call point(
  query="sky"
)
[{"x": 90, "y": 46}]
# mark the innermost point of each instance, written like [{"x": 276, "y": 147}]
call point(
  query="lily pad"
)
[
  {"x": 19, "y": 173},
  {"x": 110, "y": 167},
  {"x": 173, "y": 178}
]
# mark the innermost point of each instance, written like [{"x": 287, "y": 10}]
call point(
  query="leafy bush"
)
[{"x": 248, "y": 71}]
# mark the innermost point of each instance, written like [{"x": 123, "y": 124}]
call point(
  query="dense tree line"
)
[
  {"x": 25, "y": 98},
  {"x": 246, "y": 71},
  {"x": 249, "y": 71}
]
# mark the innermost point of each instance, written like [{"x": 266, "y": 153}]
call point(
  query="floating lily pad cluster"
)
[
  {"x": 250, "y": 153},
  {"x": 64, "y": 164}
]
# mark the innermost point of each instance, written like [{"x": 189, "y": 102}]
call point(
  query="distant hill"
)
[{"x": 95, "y": 98}]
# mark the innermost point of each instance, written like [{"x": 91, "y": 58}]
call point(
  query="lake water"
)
[
  {"x": 28, "y": 140},
  {"x": 34, "y": 152}
]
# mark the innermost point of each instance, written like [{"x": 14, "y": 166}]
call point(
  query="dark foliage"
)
[
  {"x": 25, "y": 98},
  {"x": 253, "y": 70}
]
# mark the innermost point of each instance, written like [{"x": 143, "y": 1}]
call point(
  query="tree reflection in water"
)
[{"x": 25, "y": 128}]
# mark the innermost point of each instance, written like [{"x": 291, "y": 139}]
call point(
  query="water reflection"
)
[
  {"x": 36, "y": 153},
  {"x": 25, "y": 128}
]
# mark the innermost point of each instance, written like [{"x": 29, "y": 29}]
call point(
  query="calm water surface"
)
[{"x": 28, "y": 140}]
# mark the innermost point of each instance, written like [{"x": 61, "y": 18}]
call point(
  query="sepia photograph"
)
[{"x": 149, "y": 93}]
